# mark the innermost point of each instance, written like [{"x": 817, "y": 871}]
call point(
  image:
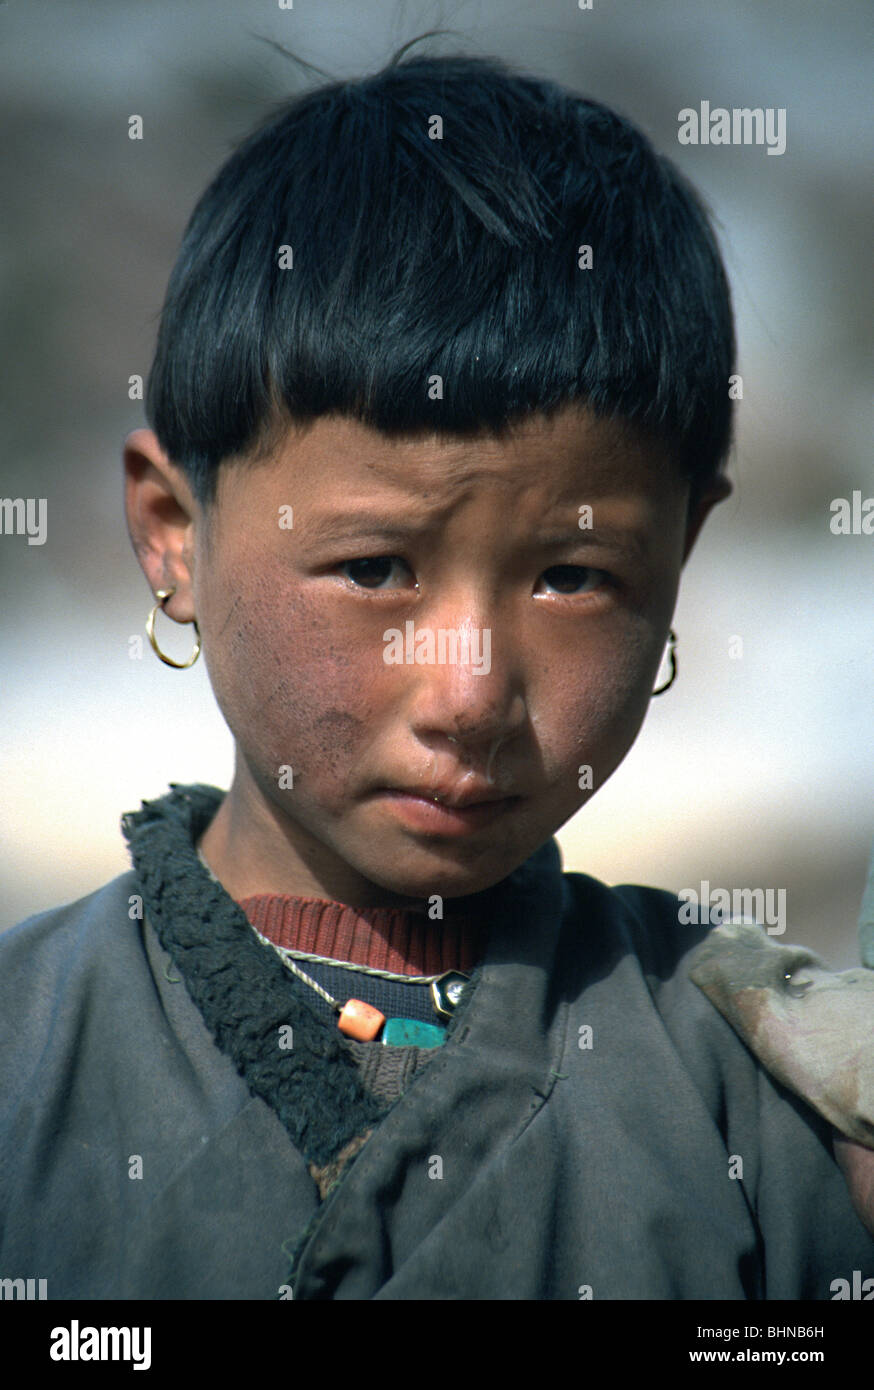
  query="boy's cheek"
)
[
  {"x": 591, "y": 707},
  {"x": 312, "y": 715},
  {"x": 287, "y": 683}
]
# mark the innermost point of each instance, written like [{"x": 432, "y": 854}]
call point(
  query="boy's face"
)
[{"x": 324, "y": 645}]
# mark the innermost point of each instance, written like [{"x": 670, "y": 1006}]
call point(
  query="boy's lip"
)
[
  {"x": 458, "y": 797},
  {"x": 465, "y": 812}
]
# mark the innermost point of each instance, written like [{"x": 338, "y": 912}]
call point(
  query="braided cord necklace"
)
[
  {"x": 362, "y": 1021},
  {"x": 366, "y": 1023}
]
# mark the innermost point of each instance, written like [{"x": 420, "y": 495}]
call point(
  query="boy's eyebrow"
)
[
  {"x": 619, "y": 538},
  {"x": 338, "y": 527},
  {"x": 387, "y": 528}
]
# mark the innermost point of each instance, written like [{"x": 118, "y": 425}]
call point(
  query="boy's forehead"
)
[{"x": 569, "y": 450}]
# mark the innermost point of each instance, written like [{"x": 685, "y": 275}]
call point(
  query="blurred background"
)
[{"x": 750, "y": 772}]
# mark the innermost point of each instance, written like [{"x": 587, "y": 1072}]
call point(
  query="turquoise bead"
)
[{"x": 409, "y": 1032}]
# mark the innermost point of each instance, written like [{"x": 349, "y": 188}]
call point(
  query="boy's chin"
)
[{"x": 420, "y": 886}]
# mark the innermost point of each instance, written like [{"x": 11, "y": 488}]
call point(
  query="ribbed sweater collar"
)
[{"x": 404, "y": 942}]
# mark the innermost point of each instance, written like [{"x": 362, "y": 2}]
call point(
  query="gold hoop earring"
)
[
  {"x": 162, "y": 596},
  {"x": 672, "y": 639}
]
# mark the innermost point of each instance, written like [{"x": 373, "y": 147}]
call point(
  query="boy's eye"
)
[
  {"x": 573, "y": 579},
  {"x": 373, "y": 571}
]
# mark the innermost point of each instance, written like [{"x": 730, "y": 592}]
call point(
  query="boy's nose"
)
[{"x": 474, "y": 701}]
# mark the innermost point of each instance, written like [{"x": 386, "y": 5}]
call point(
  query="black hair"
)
[{"x": 415, "y": 256}]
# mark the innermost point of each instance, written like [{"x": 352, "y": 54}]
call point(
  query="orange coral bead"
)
[{"x": 360, "y": 1020}]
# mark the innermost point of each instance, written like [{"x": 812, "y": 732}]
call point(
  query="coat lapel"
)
[{"x": 492, "y": 1076}]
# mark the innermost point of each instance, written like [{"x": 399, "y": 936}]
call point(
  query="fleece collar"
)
[
  {"x": 240, "y": 986},
  {"x": 244, "y": 992}
]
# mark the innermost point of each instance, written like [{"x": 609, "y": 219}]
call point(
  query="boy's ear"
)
[
  {"x": 716, "y": 491},
  {"x": 161, "y": 511}
]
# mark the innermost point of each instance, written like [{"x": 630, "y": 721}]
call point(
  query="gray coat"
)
[{"x": 519, "y": 1164}]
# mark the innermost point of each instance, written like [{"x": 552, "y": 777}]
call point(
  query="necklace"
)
[
  {"x": 362, "y": 1021},
  {"x": 353, "y": 965}
]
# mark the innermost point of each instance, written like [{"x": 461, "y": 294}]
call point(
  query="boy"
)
[{"x": 439, "y": 407}]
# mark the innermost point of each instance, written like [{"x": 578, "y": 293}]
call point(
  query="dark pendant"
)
[
  {"x": 411, "y": 1032},
  {"x": 446, "y": 992}
]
